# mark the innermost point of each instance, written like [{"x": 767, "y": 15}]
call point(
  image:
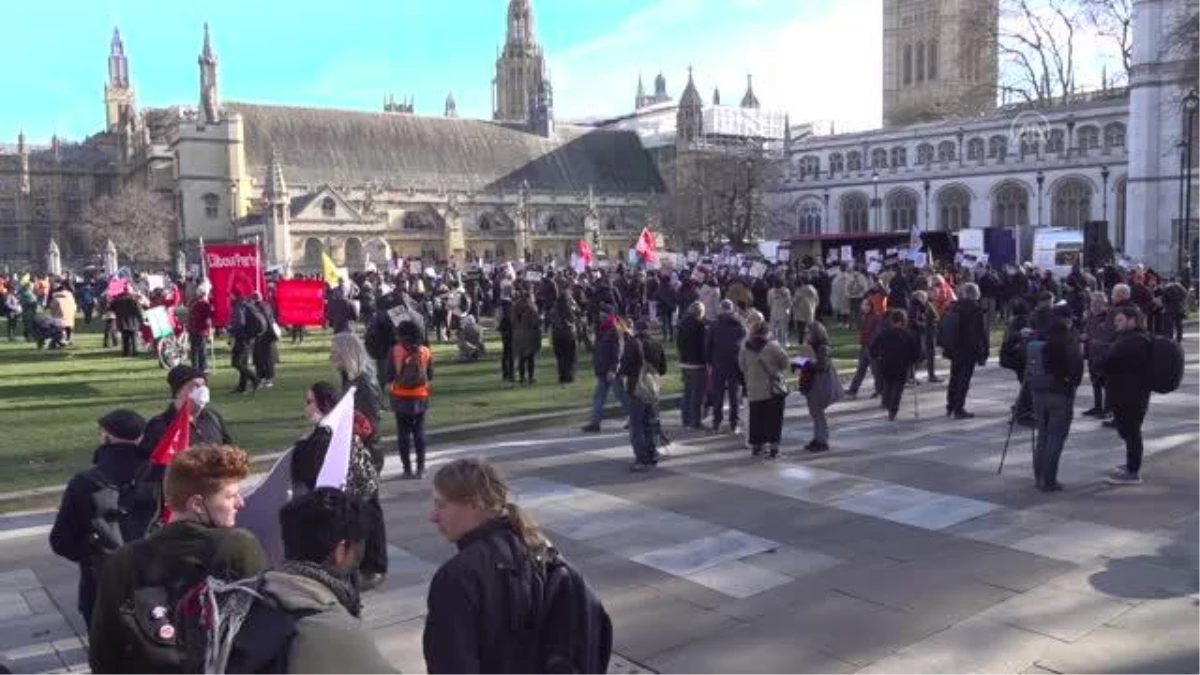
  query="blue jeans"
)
[
  {"x": 199, "y": 348},
  {"x": 726, "y": 385},
  {"x": 1053, "y": 413},
  {"x": 864, "y": 362},
  {"x": 695, "y": 382},
  {"x": 641, "y": 431},
  {"x": 600, "y": 397},
  {"x": 411, "y": 425}
]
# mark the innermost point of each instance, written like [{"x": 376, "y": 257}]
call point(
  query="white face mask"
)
[{"x": 199, "y": 396}]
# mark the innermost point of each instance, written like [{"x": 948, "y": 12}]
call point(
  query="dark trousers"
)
[
  {"x": 694, "y": 386},
  {"x": 564, "y": 356},
  {"x": 891, "y": 390},
  {"x": 240, "y": 360},
  {"x": 12, "y": 328},
  {"x": 642, "y": 431},
  {"x": 931, "y": 355},
  {"x": 666, "y": 317},
  {"x": 410, "y": 433},
  {"x": 801, "y": 327},
  {"x": 1129, "y": 427},
  {"x": 88, "y": 311},
  {"x": 506, "y": 359},
  {"x": 1098, "y": 386},
  {"x": 961, "y": 371},
  {"x": 1024, "y": 404},
  {"x": 727, "y": 384},
  {"x": 375, "y": 555},
  {"x": 198, "y": 346},
  {"x": 1053, "y": 414},
  {"x": 1176, "y": 325},
  {"x": 766, "y": 421},
  {"x": 110, "y": 333},
  {"x": 525, "y": 366},
  {"x": 264, "y": 358},
  {"x": 128, "y": 343}
]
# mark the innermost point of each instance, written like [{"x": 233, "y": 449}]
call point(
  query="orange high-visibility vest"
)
[{"x": 424, "y": 357}]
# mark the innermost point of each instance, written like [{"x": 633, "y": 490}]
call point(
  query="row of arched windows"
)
[
  {"x": 996, "y": 147},
  {"x": 1069, "y": 205}
]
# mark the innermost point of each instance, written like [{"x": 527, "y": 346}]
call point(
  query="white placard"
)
[
  {"x": 873, "y": 267},
  {"x": 783, "y": 254},
  {"x": 831, "y": 256},
  {"x": 847, "y": 253},
  {"x": 893, "y": 251},
  {"x": 533, "y": 276},
  {"x": 983, "y": 258},
  {"x": 693, "y": 256},
  {"x": 487, "y": 268},
  {"x": 757, "y": 270},
  {"x": 414, "y": 266},
  {"x": 873, "y": 254},
  {"x": 154, "y": 281}
]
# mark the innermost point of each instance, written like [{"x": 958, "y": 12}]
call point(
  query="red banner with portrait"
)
[
  {"x": 232, "y": 269},
  {"x": 300, "y": 302}
]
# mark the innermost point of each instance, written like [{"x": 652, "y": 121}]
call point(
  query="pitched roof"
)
[{"x": 341, "y": 147}]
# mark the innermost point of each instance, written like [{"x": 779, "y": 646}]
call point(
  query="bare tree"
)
[
  {"x": 1036, "y": 44},
  {"x": 1113, "y": 20},
  {"x": 716, "y": 197},
  {"x": 139, "y": 222}
]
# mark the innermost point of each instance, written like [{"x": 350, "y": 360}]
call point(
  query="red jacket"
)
[{"x": 200, "y": 316}]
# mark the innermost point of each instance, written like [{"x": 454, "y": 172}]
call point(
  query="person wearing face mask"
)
[
  {"x": 362, "y": 480},
  {"x": 76, "y": 534},
  {"x": 142, "y": 582},
  {"x": 188, "y": 384}
]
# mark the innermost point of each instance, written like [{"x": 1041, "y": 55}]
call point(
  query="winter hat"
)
[
  {"x": 181, "y": 375},
  {"x": 125, "y": 425}
]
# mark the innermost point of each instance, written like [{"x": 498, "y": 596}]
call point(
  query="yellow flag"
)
[{"x": 329, "y": 270}]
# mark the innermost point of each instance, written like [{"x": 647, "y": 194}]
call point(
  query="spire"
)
[
  {"x": 118, "y": 66},
  {"x": 206, "y": 53},
  {"x": 275, "y": 190},
  {"x": 520, "y": 26},
  {"x": 689, "y": 118},
  {"x": 716, "y": 96},
  {"x": 451, "y": 106},
  {"x": 209, "y": 100},
  {"x": 787, "y": 132},
  {"x": 749, "y": 100},
  {"x": 21, "y": 150},
  {"x": 690, "y": 96},
  {"x": 641, "y": 92},
  {"x": 660, "y": 88}
]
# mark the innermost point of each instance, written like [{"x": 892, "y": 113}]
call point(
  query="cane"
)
[
  {"x": 916, "y": 394},
  {"x": 1012, "y": 419}
]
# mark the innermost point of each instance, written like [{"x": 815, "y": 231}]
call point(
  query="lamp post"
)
[
  {"x": 1190, "y": 103},
  {"x": 1041, "y": 181},
  {"x": 826, "y": 196},
  {"x": 927, "y": 204},
  {"x": 875, "y": 202},
  {"x": 1070, "y": 133},
  {"x": 1104, "y": 197},
  {"x": 961, "y": 133}
]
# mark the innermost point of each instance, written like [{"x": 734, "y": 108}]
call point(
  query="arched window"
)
[
  {"x": 854, "y": 161},
  {"x": 1030, "y": 139},
  {"x": 945, "y": 151},
  {"x": 855, "y": 212},
  {"x": 810, "y": 165},
  {"x": 328, "y": 207},
  {"x": 809, "y": 218},
  {"x": 902, "y": 210},
  {"x": 354, "y": 253},
  {"x": 879, "y": 158},
  {"x": 997, "y": 148},
  {"x": 1055, "y": 142},
  {"x": 212, "y": 206},
  {"x": 1010, "y": 206},
  {"x": 908, "y": 64},
  {"x": 975, "y": 149},
  {"x": 1072, "y": 203},
  {"x": 312, "y": 253},
  {"x": 931, "y": 60},
  {"x": 1119, "y": 216},
  {"x": 1088, "y": 139},
  {"x": 612, "y": 224},
  {"x": 924, "y": 154},
  {"x": 837, "y": 163},
  {"x": 954, "y": 209},
  {"x": 1114, "y": 135},
  {"x": 899, "y": 157},
  {"x": 920, "y": 62}
]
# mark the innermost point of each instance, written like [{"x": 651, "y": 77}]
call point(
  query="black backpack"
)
[
  {"x": 948, "y": 332},
  {"x": 255, "y": 324},
  {"x": 1166, "y": 364},
  {"x": 123, "y": 513},
  {"x": 1012, "y": 351},
  {"x": 380, "y": 338}
]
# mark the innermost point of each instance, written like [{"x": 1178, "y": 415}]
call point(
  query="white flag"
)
[{"x": 340, "y": 422}]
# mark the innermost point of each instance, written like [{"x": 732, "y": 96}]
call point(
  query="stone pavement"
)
[{"x": 901, "y": 550}]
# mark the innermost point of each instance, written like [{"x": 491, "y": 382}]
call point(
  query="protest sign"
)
[
  {"x": 873, "y": 267},
  {"x": 847, "y": 254},
  {"x": 300, "y": 302},
  {"x": 783, "y": 254},
  {"x": 757, "y": 270},
  {"x": 231, "y": 267},
  {"x": 414, "y": 266}
]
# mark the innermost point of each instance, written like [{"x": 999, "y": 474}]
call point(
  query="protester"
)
[
  {"x": 564, "y": 337},
  {"x": 485, "y": 613},
  {"x": 362, "y": 478},
  {"x": 142, "y": 581},
  {"x": 642, "y": 363},
  {"x": 895, "y": 350},
  {"x": 266, "y": 349},
  {"x": 199, "y": 326},
  {"x": 63, "y": 309},
  {"x": 245, "y": 326},
  {"x": 804, "y": 308},
  {"x": 101, "y": 507},
  {"x": 824, "y": 387},
  {"x": 1054, "y": 368},
  {"x": 504, "y": 327},
  {"x": 127, "y": 313},
  {"x": 1012, "y": 357},
  {"x": 765, "y": 364},
  {"x": 870, "y": 322},
  {"x": 967, "y": 345},
  {"x": 349, "y": 358},
  {"x": 779, "y": 301},
  {"x": 1126, "y": 369},
  {"x": 690, "y": 340},
  {"x": 207, "y": 425},
  {"x": 410, "y": 372},
  {"x": 725, "y": 339},
  {"x": 1097, "y": 338},
  {"x": 470, "y": 341},
  {"x": 606, "y": 357}
]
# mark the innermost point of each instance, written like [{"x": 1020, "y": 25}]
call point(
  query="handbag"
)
[{"x": 778, "y": 384}]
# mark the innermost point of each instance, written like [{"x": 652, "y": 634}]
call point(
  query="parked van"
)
[{"x": 1057, "y": 249}]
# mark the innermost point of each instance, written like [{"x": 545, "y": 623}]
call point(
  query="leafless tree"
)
[
  {"x": 1113, "y": 20},
  {"x": 716, "y": 196},
  {"x": 1036, "y": 44},
  {"x": 139, "y": 221}
]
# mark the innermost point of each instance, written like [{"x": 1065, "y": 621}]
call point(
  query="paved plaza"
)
[{"x": 900, "y": 551}]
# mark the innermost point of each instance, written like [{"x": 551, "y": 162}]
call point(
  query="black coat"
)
[
  {"x": 308, "y": 455},
  {"x": 973, "y": 339},
  {"x": 690, "y": 339},
  {"x": 606, "y": 352},
  {"x": 128, "y": 313},
  {"x": 725, "y": 339},
  {"x": 896, "y": 351},
  {"x": 1126, "y": 369},
  {"x": 642, "y": 350}
]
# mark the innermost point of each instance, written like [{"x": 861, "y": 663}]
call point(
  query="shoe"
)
[
  {"x": 626, "y": 426},
  {"x": 1109, "y": 424},
  {"x": 891, "y": 417},
  {"x": 934, "y": 380},
  {"x": 639, "y": 467},
  {"x": 371, "y": 580},
  {"x": 819, "y": 447},
  {"x": 756, "y": 451},
  {"x": 716, "y": 427},
  {"x": 408, "y": 475},
  {"x": 773, "y": 452},
  {"x": 1123, "y": 476},
  {"x": 810, "y": 446},
  {"x": 269, "y": 384},
  {"x": 733, "y": 428},
  {"x": 591, "y": 428},
  {"x": 420, "y": 474},
  {"x": 1051, "y": 487},
  {"x": 1093, "y": 412},
  {"x": 964, "y": 415},
  {"x": 875, "y": 395}
]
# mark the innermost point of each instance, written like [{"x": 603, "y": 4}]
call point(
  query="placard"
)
[
  {"x": 847, "y": 254},
  {"x": 873, "y": 254},
  {"x": 783, "y": 254},
  {"x": 414, "y": 266},
  {"x": 757, "y": 270},
  {"x": 893, "y": 251},
  {"x": 533, "y": 276},
  {"x": 301, "y": 302},
  {"x": 873, "y": 267},
  {"x": 831, "y": 256},
  {"x": 487, "y": 268},
  {"x": 693, "y": 256}
]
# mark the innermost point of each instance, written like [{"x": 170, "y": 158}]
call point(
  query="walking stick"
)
[
  {"x": 916, "y": 406},
  {"x": 1012, "y": 419}
]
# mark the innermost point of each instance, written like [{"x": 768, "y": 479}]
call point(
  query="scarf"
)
[{"x": 343, "y": 585}]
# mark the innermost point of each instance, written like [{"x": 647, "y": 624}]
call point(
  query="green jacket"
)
[{"x": 235, "y": 554}]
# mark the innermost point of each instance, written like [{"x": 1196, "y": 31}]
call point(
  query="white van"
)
[{"x": 1057, "y": 249}]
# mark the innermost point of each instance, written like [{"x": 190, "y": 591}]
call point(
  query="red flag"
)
[
  {"x": 585, "y": 252},
  {"x": 645, "y": 245},
  {"x": 177, "y": 437}
]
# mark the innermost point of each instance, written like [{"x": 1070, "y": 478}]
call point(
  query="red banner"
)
[
  {"x": 300, "y": 302},
  {"x": 232, "y": 267}
]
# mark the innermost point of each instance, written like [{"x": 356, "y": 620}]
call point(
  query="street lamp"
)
[
  {"x": 826, "y": 208},
  {"x": 1104, "y": 197},
  {"x": 875, "y": 202},
  {"x": 1041, "y": 180},
  {"x": 927, "y": 204},
  {"x": 1190, "y": 103}
]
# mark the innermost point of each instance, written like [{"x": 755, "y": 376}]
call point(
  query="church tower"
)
[
  {"x": 939, "y": 59},
  {"x": 689, "y": 119},
  {"x": 521, "y": 68},
  {"x": 118, "y": 92}
]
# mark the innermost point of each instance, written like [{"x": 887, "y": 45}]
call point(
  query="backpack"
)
[
  {"x": 230, "y": 627},
  {"x": 150, "y": 617},
  {"x": 1012, "y": 357},
  {"x": 380, "y": 338},
  {"x": 254, "y": 324},
  {"x": 949, "y": 330},
  {"x": 410, "y": 374},
  {"x": 122, "y": 513},
  {"x": 1166, "y": 365},
  {"x": 362, "y": 480},
  {"x": 1036, "y": 376}
]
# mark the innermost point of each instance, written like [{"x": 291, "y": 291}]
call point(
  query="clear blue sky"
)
[{"x": 348, "y": 54}]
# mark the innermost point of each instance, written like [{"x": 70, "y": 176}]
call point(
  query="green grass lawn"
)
[{"x": 50, "y": 400}]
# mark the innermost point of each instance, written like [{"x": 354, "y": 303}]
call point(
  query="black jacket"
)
[
  {"x": 473, "y": 609},
  {"x": 895, "y": 350},
  {"x": 128, "y": 312},
  {"x": 973, "y": 339},
  {"x": 308, "y": 455},
  {"x": 690, "y": 339},
  {"x": 1126, "y": 369},
  {"x": 725, "y": 339},
  {"x": 641, "y": 350},
  {"x": 207, "y": 427},
  {"x": 1062, "y": 357},
  {"x": 607, "y": 352}
]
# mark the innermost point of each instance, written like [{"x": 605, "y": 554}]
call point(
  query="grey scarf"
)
[{"x": 343, "y": 585}]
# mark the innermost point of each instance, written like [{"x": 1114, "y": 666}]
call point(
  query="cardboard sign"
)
[
  {"x": 532, "y": 276},
  {"x": 847, "y": 253},
  {"x": 783, "y": 254},
  {"x": 160, "y": 323},
  {"x": 873, "y": 267},
  {"x": 873, "y": 254},
  {"x": 757, "y": 270},
  {"x": 414, "y": 266},
  {"x": 892, "y": 251},
  {"x": 831, "y": 256},
  {"x": 918, "y": 259},
  {"x": 693, "y": 256}
]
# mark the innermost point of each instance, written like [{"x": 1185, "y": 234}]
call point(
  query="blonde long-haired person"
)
[
  {"x": 482, "y": 599},
  {"x": 349, "y": 358}
]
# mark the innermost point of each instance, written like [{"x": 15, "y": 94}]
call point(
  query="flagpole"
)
[{"x": 258, "y": 257}]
